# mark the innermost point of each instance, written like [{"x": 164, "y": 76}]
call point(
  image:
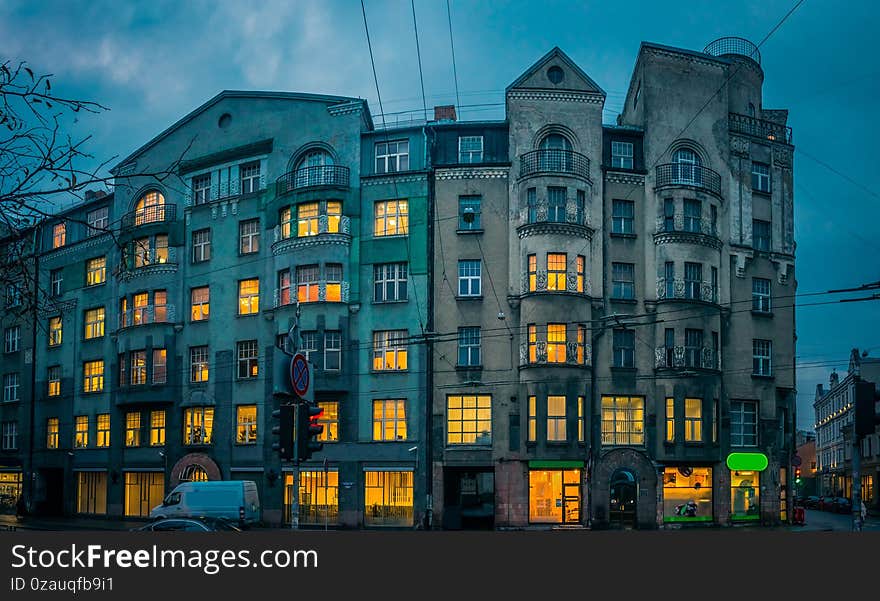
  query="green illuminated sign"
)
[{"x": 756, "y": 462}]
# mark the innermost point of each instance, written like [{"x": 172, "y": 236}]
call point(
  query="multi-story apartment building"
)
[
  {"x": 541, "y": 320},
  {"x": 835, "y": 416},
  {"x": 610, "y": 345}
]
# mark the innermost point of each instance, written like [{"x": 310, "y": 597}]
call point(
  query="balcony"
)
[
  {"x": 148, "y": 215},
  {"x": 148, "y": 262},
  {"x": 691, "y": 176},
  {"x": 542, "y": 284},
  {"x": 554, "y": 161},
  {"x": 146, "y": 315},
  {"x": 733, "y": 46},
  {"x": 677, "y": 289},
  {"x": 334, "y": 176},
  {"x": 573, "y": 352},
  {"x": 546, "y": 218},
  {"x": 759, "y": 128},
  {"x": 324, "y": 231},
  {"x": 315, "y": 292},
  {"x": 684, "y": 357},
  {"x": 681, "y": 228},
  {"x": 221, "y": 190}
]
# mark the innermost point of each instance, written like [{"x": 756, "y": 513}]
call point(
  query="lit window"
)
[
  {"x": 533, "y": 419},
  {"x": 81, "y": 432},
  {"x": 389, "y": 350},
  {"x": 141, "y": 308},
  {"x": 198, "y": 364},
  {"x": 556, "y": 343},
  {"x": 761, "y": 356},
  {"x": 623, "y": 217},
  {"x": 307, "y": 219},
  {"x": 581, "y": 273},
  {"x": 98, "y": 221},
  {"x": 318, "y": 497},
  {"x": 470, "y": 277},
  {"x": 330, "y": 420},
  {"x": 391, "y": 218},
  {"x": 761, "y": 177},
  {"x": 533, "y": 272},
  {"x": 59, "y": 235},
  {"x": 96, "y": 271},
  {"x": 138, "y": 368},
  {"x": 334, "y": 216},
  {"x": 761, "y": 295},
  {"x": 284, "y": 219},
  {"x": 94, "y": 323},
  {"x": 623, "y": 420},
  {"x": 470, "y": 149},
  {"x": 52, "y": 430},
  {"x": 469, "y": 419},
  {"x": 389, "y": 282},
  {"x": 693, "y": 420},
  {"x": 149, "y": 208},
  {"x": 201, "y": 245},
  {"x": 389, "y": 420},
  {"x": 54, "y": 378},
  {"x": 687, "y": 494},
  {"x": 157, "y": 428},
  {"x": 160, "y": 366},
  {"x": 55, "y": 330},
  {"x": 103, "y": 430},
  {"x": 333, "y": 291},
  {"x": 469, "y": 346},
  {"x": 91, "y": 493},
  {"x": 10, "y": 387},
  {"x": 248, "y": 297},
  {"x": 581, "y": 344},
  {"x": 581, "y": 419},
  {"x": 93, "y": 376},
  {"x": 246, "y": 424},
  {"x": 556, "y": 263},
  {"x": 12, "y": 338},
  {"x": 198, "y": 425},
  {"x": 160, "y": 306},
  {"x": 670, "y": 419},
  {"x": 388, "y": 498},
  {"x": 469, "y": 212},
  {"x": 284, "y": 287},
  {"x": 143, "y": 491},
  {"x": 249, "y": 173},
  {"x": 745, "y": 495},
  {"x": 533, "y": 343},
  {"x": 743, "y": 423},
  {"x": 247, "y": 359},
  {"x": 556, "y": 418},
  {"x": 201, "y": 303},
  {"x": 307, "y": 283},
  {"x": 622, "y": 155},
  {"x": 332, "y": 350},
  {"x": 249, "y": 236},
  {"x": 392, "y": 156},
  {"x": 554, "y": 496},
  {"x": 132, "y": 429}
]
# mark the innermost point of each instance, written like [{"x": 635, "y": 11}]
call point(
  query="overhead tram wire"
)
[
  {"x": 419, "y": 56},
  {"x": 452, "y": 47}
]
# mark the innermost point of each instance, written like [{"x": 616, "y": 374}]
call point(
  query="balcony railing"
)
[
  {"x": 148, "y": 261},
  {"x": 307, "y": 177},
  {"x": 141, "y": 316},
  {"x": 544, "y": 212},
  {"x": 316, "y": 292},
  {"x": 219, "y": 190},
  {"x": 759, "y": 128},
  {"x": 323, "y": 223},
  {"x": 672, "y": 289},
  {"x": 684, "y": 174},
  {"x": 734, "y": 45},
  {"x": 147, "y": 215},
  {"x": 542, "y": 283},
  {"x": 683, "y": 357},
  {"x": 539, "y": 352},
  {"x": 553, "y": 160},
  {"x": 686, "y": 224}
]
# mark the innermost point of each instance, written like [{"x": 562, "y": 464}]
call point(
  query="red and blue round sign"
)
[{"x": 300, "y": 376}]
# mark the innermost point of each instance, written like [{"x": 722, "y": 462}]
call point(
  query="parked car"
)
[
  {"x": 811, "y": 502},
  {"x": 189, "y": 525},
  {"x": 235, "y": 500},
  {"x": 826, "y": 503},
  {"x": 842, "y": 505}
]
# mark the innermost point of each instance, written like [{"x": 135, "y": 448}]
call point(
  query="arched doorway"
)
[
  {"x": 194, "y": 467},
  {"x": 622, "y": 499}
]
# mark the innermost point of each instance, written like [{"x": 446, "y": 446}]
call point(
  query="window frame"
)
[
  {"x": 623, "y": 289},
  {"x": 382, "y": 421},
  {"x": 248, "y": 301},
  {"x": 761, "y": 181},
  {"x": 98, "y": 224},
  {"x": 204, "y": 436},
  {"x": 762, "y": 300},
  {"x": 252, "y": 238},
  {"x": 472, "y": 282},
  {"x": 621, "y": 222},
  {"x": 382, "y": 215},
  {"x": 96, "y": 271},
  {"x": 400, "y": 154},
  {"x": 199, "y": 362},
  {"x": 459, "y": 416},
  {"x": 246, "y": 425},
  {"x": 393, "y": 343},
  {"x": 621, "y": 164},
  {"x": 469, "y": 346},
  {"x": 203, "y": 314},
  {"x": 395, "y": 275},
  {"x": 247, "y": 356},
  {"x": 473, "y": 156},
  {"x": 201, "y": 247}
]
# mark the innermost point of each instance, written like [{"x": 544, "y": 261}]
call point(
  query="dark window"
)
[
  {"x": 761, "y": 234},
  {"x": 693, "y": 279},
  {"x": 624, "y": 348},
  {"x": 622, "y": 220},
  {"x": 469, "y": 212},
  {"x": 556, "y": 204},
  {"x": 623, "y": 280}
]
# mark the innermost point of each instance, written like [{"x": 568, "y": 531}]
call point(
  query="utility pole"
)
[{"x": 856, "y": 482}]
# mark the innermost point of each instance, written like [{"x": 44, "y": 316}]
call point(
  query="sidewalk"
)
[{"x": 10, "y": 522}]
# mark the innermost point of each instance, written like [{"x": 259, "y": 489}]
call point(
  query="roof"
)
[
  {"x": 329, "y": 100},
  {"x": 556, "y": 52},
  {"x": 694, "y": 53}
]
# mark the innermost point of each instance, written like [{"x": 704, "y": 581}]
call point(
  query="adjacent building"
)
[{"x": 545, "y": 320}]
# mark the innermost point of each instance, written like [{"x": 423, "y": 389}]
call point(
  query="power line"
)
[
  {"x": 452, "y": 46},
  {"x": 419, "y": 56}
]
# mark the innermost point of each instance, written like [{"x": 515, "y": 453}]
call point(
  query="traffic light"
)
[
  {"x": 285, "y": 430},
  {"x": 797, "y": 475},
  {"x": 308, "y": 430}
]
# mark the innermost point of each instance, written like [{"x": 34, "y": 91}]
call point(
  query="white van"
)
[{"x": 235, "y": 500}]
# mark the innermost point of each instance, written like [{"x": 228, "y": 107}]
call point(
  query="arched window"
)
[
  {"x": 194, "y": 473},
  {"x": 556, "y": 153},
  {"x": 150, "y": 208},
  {"x": 686, "y": 167},
  {"x": 313, "y": 169}
]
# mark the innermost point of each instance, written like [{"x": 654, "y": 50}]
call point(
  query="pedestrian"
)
[{"x": 863, "y": 510}]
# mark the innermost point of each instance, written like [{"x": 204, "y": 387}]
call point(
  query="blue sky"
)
[{"x": 152, "y": 62}]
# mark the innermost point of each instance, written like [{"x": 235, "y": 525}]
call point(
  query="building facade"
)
[{"x": 541, "y": 321}]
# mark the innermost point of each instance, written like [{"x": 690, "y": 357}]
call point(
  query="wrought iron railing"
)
[
  {"x": 733, "y": 45},
  {"x": 566, "y": 353},
  {"x": 141, "y": 316},
  {"x": 289, "y": 231},
  {"x": 682, "y": 357},
  {"x": 321, "y": 291},
  {"x": 670, "y": 289},
  {"x": 686, "y": 224},
  {"x": 684, "y": 174},
  {"x": 542, "y": 283},
  {"x": 553, "y": 160},
  {"x": 219, "y": 190},
  {"x": 151, "y": 214},
  {"x": 306, "y": 177},
  {"x": 542, "y": 211},
  {"x": 759, "y": 128}
]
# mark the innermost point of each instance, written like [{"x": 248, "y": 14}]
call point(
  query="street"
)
[{"x": 826, "y": 521}]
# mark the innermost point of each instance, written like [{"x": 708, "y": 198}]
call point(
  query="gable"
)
[{"x": 569, "y": 77}]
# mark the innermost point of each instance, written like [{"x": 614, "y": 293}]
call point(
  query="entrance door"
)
[
  {"x": 622, "y": 499},
  {"x": 571, "y": 503},
  {"x": 52, "y": 504}
]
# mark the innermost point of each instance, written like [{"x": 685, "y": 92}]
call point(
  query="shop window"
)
[
  {"x": 744, "y": 495},
  {"x": 91, "y": 493},
  {"x": 554, "y": 496},
  {"x": 388, "y": 498},
  {"x": 687, "y": 494}
]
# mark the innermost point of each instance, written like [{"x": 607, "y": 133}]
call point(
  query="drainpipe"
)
[
  {"x": 32, "y": 476},
  {"x": 429, "y": 367}
]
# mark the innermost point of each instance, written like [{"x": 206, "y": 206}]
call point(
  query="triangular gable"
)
[{"x": 535, "y": 77}]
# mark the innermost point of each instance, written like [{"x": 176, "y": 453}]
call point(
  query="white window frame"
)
[
  {"x": 93, "y": 324},
  {"x": 201, "y": 189},
  {"x": 12, "y": 339},
  {"x": 252, "y": 238},
  {"x": 737, "y": 418},
  {"x": 392, "y": 153},
  {"x": 96, "y": 275},
  {"x": 621, "y": 160},
  {"x": 470, "y": 283},
  {"x": 198, "y": 362},
  {"x": 10, "y": 436},
  {"x": 391, "y": 342},
  {"x": 249, "y": 176},
  {"x": 623, "y": 288},
  {"x": 470, "y": 344},
  {"x": 761, "y": 177},
  {"x": 11, "y": 385},
  {"x": 761, "y": 299},
  {"x": 333, "y": 337},
  {"x": 98, "y": 220},
  {"x": 309, "y": 343},
  {"x": 192, "y": 303},
  {"x": 623, "y": 224},
  {"x": 762, "y": 357},
  {"x": 160, "y": 366},
  {"x": 201, "y": 247},
  {"x": 247, "y": 356},
  {"x": 56, "y": 282},
  {"x": 470, "y": 155},
  {"x": 393, "y": 274}
]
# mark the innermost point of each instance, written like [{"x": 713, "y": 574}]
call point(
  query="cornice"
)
[
  {"x": 558, "y": 96},
  {"x": 471, "y": 173}
]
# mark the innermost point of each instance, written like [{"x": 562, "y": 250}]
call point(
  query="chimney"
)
[
  {"x": 90, "y": 195},
  {"x": 100, "y": 194},
  {"x": 444, "y": 113}
]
